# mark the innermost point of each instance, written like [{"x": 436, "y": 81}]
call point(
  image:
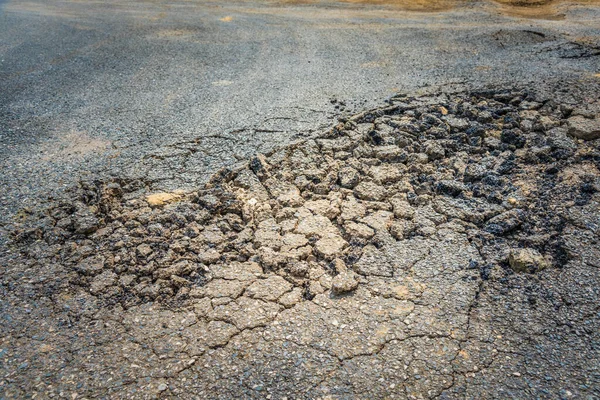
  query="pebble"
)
[{"x": 162, "y": 387}]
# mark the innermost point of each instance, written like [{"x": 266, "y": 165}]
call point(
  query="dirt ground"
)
[{"x": 438, "y": 243}]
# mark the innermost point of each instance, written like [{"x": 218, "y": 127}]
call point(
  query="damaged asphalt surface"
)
[{"x": 232, "y": 201}]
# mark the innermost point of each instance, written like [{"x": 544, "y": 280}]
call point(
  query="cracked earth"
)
[{"x": 440, "y": 246}]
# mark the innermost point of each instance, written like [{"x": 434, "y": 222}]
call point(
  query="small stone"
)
[
  {"x": 359, "y": 230},
  {"x": 86, "y": 223},
  {"x": 339, "y": 265},
  {"x": 485, "y": 117},
  {"x": 267, "y": 234},
  {"x": 387, "y": 173},
  {"x": 513, "y": 137},
  {"x": 286, "y": 193},
  {"x": 330, "y": 246},
  {"x": 161, "y": 199},
  {"x": 237, "y": 271},
  {"x": 210, "y": 201},
  {"x": 527, "y": 260},
  {"x": 293, "y": 241},
  {"x": 474, "y": 172},
  {"x": 271, "y": 258},
  {"x": 448, "y": 187},
  {"x": 418, "y": 158},
  {"x": 210, "y": 256},
  {"x": 352, "y": 209},
  {"x": 584, "y": 128},
  {"x": 162, "y": 387},
  {"x": 434, "y": 151},
  {"x": 291, "y": 298},
  {"x": 91, "y": 266},
  {"x": 379, "y": 220},
  {"x": 126, "y": 280},
  {"x": 401, "y": 229},
  {"x": 459, "y": 124},
  {"x": 183, "y": 267},
  {"x": 178, "y": 281},
  {"x": 103, "y": 281},
  {"x": 391, "y": 153},
  {"x": 344, "y": 282},
  {"x": 402, "y": 208},
  {"x": 151, "y": 291},
  {"x": 370, "y": 191},
  {"x": 219, "y": 301},
  {"x": 288, "y": 225},
  {"x": 322, "y": 207},
  {"x": 299, "y": 268},
  {"x": 315, "y": 225},
  {"x": 348, "y": 177},
  {"x": 315, "y": 288},
  {"x": 301, "y": 253},
  {"x": 325, "y": 280},
  {"x": 144, "y": 250}
]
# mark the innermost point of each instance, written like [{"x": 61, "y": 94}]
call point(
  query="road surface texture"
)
[{"x": 299, "y": 200}]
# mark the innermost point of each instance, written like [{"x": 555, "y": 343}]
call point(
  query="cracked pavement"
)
[
  {"x": 442, "y": 246},
  {"x": 217, "y": 224}
]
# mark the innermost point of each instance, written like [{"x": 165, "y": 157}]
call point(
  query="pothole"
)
[{"x": 318, "y": 215}]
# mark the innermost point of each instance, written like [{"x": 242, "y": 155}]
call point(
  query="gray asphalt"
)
[
  {"x": 111, "y": 298},
  {"x": 172, "y": 90}
]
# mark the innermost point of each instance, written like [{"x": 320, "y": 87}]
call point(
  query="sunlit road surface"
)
[{"x": 442, "y": 245}]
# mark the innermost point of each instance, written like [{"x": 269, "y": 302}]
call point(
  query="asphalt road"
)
[
  {"x": 105, "y": 296},
  {"x": 92, "y": 89},
  {"x": 424, "y": 250}
]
